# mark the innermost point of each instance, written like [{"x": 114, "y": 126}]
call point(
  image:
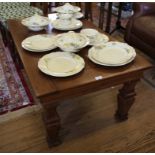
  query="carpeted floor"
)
[{"x": 14, "y": 93}]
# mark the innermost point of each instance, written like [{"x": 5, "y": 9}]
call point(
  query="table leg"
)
[
  {"x": 52, "y": 124},
  {"x": 14, "y": 53},
  {"x": 4, "y": 33},
  {"x": 125, "y": 98}
]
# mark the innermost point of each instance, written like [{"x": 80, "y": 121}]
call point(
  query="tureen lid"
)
[{"x": 67, "y": 8}]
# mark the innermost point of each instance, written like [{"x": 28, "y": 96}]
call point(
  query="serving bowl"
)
[
  {"x": 71, "y": 41},
  {"x": 35, "y": 22}
]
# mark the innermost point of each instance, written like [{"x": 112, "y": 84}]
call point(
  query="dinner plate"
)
[
  {"x": 39, "y": 43},
  {"x": 66, "y": 25},
  {"x": 112, "y": 54},
  {"x": 61, "y": 64},
  {"x": 67, "y": 8},
  {"x": 71, "y": 41},
  {"x": 94, "y": 36}
]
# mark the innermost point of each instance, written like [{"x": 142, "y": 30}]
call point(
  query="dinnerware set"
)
[
  {"x": 66, "y": 63},
  {"x": 68, "y": 16},
  {"x": 68, "y": 11}
]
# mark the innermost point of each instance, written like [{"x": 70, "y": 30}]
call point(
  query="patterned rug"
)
[{"x": 14, "y": 93}]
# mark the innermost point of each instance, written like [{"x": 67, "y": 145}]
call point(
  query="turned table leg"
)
[
  {"x": 125, "y": 99},
  {"x": 52, "y": 124}
]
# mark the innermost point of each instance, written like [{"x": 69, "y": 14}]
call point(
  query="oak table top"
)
[
  {"x": 43, "y": 84},
  {"x": 51, "y": 90}
]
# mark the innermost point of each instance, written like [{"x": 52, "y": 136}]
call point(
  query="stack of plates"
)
[
  {"x": 66, "y": 25},
  {"x": 112, "y": 54},
  {"x": 67, "y": 11},
  {"x": 76, "y": 15},
  {"x": 39, "y": 43},
  {"x": 61, "y": 64}
]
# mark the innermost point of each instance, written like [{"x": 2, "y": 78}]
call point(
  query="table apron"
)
[{"x": 90, "y": 88}]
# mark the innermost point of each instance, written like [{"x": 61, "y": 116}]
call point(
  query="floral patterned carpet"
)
[{"x": 14, "y": 93}]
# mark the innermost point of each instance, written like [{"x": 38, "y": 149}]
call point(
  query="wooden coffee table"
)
[{"x": 51, "y": 91}]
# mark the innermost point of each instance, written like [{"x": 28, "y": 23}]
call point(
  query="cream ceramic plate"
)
[
  {"x": 67, "y": 8},
  {"x": 66, "y": 25},
  {"x": 78, "y": 15},
  {"x": 39, "y": 43},
  {"x": 64, "y": 16},
  {"x": 112, "y": 54},
  {"x": 36, "y": 28},
  {"x": 61, "y": 64},
  {"x": 71, "y": 41},
  {"x": 95, "y": 37}
]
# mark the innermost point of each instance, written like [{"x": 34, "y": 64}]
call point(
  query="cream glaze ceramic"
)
[
  {"x": 66, "y": 25},
  {"x": 36, "y": 22},
  {"x": 61, "y": 64},
  {"x": 39, "y": 43},
  {"x": 112, "y": 54},
  {"x": 71, "y": 41},
  {"x": 67, "y": 8},
  {"x": 94, "y": 36}
]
